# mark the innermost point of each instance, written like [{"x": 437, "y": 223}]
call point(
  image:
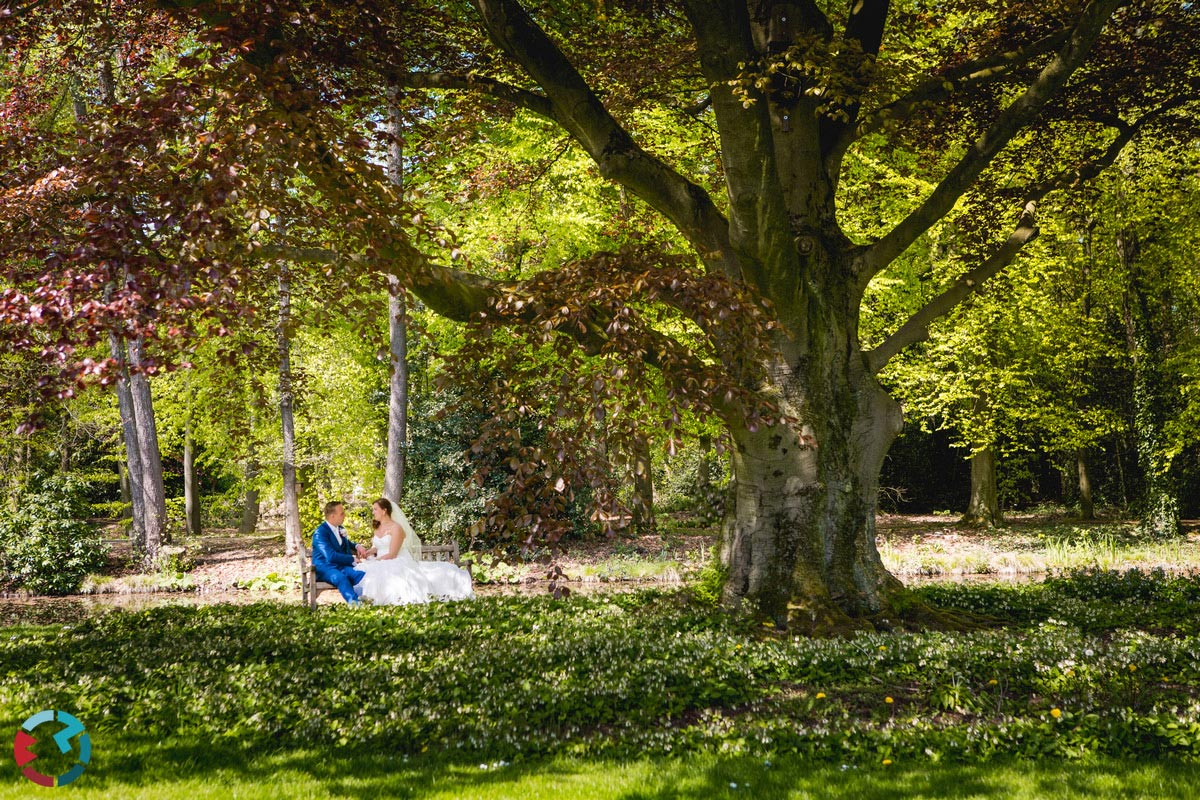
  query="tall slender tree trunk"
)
[
  {"x": 1121, "y": 474},
  {"x": 155, "y": 501},
  {"x": 1151, "y": 403},
  {"x": 135, "y": 404},
  {"x": 711, "y": 505},
  {"x": 123, "y": 484},
  {"x": 643, "y": 487},
  {"x": 191, "y": 483},
  {"x": 984, "y": 506},
  {"x": 1087, "y": 509},
  {"x": 133, "y": 448},
  {"x": 250, "y": 508},
  {"x": 397, "y": 443},
  {"x": 291, "y": 499}
]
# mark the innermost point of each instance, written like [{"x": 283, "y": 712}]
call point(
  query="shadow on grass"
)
[{"x": 171, "y": 769}]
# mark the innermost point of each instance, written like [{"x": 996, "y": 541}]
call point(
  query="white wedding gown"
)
[{"x": 403, "y": 579}]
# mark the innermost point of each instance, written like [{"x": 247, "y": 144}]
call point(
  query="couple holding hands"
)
[{"x": 390, "y": 571}]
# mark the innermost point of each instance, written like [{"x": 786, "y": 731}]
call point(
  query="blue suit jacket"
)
[{"x": 327, "y": 555}]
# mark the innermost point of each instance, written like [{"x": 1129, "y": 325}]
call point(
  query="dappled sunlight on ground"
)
[{"x": 917, "y": 548}]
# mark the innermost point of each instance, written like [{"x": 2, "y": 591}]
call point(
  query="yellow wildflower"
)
[
  {"x": 1054, "y": 712},
  {"x": 820, "y": 695},
  {"x": 888, "y": 700}
]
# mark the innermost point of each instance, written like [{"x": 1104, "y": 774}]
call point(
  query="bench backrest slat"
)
[{"x": 429, "y": 552}]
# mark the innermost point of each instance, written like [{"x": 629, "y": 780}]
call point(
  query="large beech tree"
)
[{"x": 1004, "y": 103}]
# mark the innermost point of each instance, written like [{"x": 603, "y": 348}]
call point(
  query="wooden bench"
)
[{"x": 310, "y": 587}]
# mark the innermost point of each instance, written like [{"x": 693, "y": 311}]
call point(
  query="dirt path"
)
[{"x": 911, "y": 545}]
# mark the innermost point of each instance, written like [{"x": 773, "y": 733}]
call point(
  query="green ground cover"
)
[{"x": 1095, "y": 672}]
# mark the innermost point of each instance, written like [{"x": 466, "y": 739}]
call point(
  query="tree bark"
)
[
  {"x": 250, "y": 503},
  {"x": 984, "y": 506},
  {"x": 153, "y": 494},
  {"x": 1159, "y": 506},
  {"x": 799, "y": 535},
  {"x": 397, "y": 443},
  {"x": 123, "y": 483},
  {"x": 191, "y": 483},
  {"x": 293, "y": 540},
  {"x": 1087, "y": 509},
  {"x": 643, "y": 487},
  {"x": 133, "y": 450}
]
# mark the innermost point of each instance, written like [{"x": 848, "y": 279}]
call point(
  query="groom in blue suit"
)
[{"x": 333, "y": 554}]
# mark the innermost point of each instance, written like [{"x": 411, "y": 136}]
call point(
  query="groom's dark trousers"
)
[{"x": 334, "y": 562}]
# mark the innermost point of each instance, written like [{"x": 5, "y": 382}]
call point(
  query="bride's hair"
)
[{"x": 386, "y": 505}]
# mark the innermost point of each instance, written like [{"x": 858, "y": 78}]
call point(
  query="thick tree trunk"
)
[
  {"x": 153, "y": 494},
  {"x": 984, "y": 506},
  {"x": 1087, "y": 509},
  {"x": 250, "y": 503},
  {"x": 799, "y": 537},
  {"x": 191, "y": 483},
  {"x": 291, "y": 499}
]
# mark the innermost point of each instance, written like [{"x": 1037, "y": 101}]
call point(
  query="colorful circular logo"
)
[{"x": 25, "y": 740}]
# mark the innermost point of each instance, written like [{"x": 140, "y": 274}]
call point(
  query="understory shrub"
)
[{"x": 46, "y": 546}]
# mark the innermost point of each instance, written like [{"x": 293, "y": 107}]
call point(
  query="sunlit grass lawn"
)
[{"x": 163, "y": 775}]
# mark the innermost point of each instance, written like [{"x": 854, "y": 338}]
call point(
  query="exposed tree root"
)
[
  {"x": 924, "y": 617},
  {"x": 904, "y": 613}
]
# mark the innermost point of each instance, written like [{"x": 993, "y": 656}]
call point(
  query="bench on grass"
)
[{"x": 310, "y": 587}]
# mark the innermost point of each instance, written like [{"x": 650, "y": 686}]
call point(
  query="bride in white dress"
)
[{"x": 395, "y": 573}]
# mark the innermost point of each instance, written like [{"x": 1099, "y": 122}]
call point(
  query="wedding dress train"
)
[{"x": 404, "y": 579}]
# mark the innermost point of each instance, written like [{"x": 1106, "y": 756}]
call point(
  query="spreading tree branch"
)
[
  {"x": 1126, "y": 132},
  {"x": 865, "y": 26},
  {"x": 465, "y": 297},
  {"x": 531, "y": 101},
  {"x": 1023, "y": 110},
  {"x": 699, "y": 107},
  {"x": 963, "y": 76},
  {"x": 577, "y": 108},
  {"x": 916, "y": 328}
]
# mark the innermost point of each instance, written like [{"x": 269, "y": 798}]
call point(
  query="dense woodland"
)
[{"x": 542, "y": 272}]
